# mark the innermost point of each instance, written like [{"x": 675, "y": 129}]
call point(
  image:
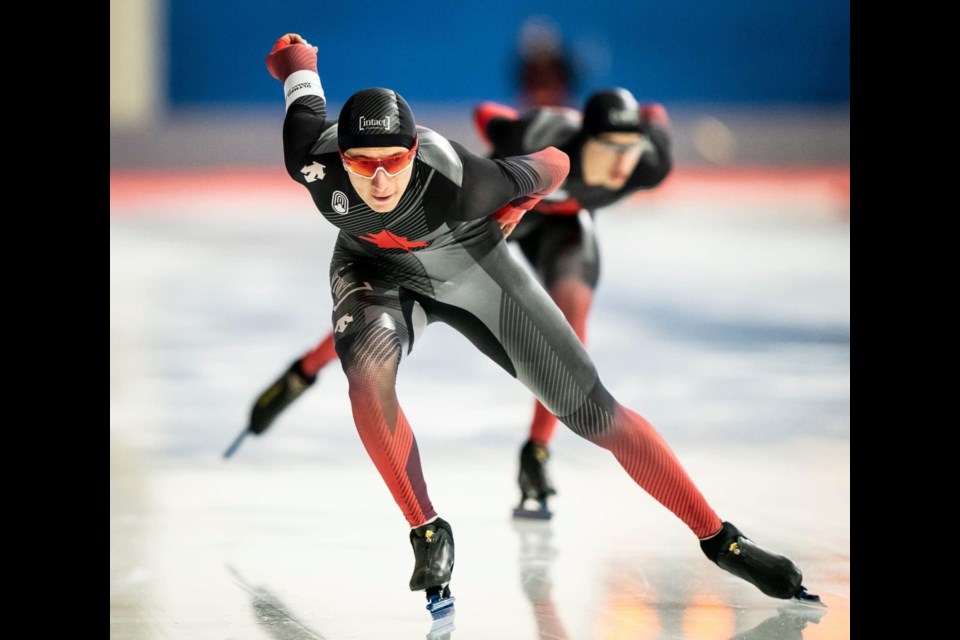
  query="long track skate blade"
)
[
  {"x": 440, "y": 607},
  {"x": 532, "y": 514},
  {"x": 541, "y": 512},
  {"x": 235, "y": 445},
  {"x": 806, "y": 598}
]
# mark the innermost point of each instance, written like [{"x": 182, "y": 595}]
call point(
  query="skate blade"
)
[
  {"x": 806, "y": 598},
  {"x": 540, "y": 512},
  {"x": 532, "y": 514},
  {"x": 235, "y": 444},
  {"x": 441, "y": 607}
]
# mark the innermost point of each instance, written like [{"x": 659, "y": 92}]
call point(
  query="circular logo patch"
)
[{"x": 339, "y": 202}]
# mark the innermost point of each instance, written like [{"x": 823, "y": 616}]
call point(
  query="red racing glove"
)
[{"x": 291, "y": 53}]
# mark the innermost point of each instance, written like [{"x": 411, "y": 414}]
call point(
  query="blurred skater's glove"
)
[
  {"x": 278, "y": 397},
  {"x": 291, "y": 53},
  {"x": 653, "y": 113},
  {"x": 487, "y": 111}
]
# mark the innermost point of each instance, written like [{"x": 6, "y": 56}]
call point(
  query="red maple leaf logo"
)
[{"x": 386, "y": 240}]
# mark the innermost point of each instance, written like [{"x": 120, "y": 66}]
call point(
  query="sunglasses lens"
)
[
  {"x": 393, "y": 164},
  {"x": 367, "y": 167}
]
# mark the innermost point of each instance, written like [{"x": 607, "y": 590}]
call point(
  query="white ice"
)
[{"x": 728, "y": 327}]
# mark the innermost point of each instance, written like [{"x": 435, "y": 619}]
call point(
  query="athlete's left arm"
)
[
  {"x": 508, "y": 187},
  {"x": 657, "y": 159}
]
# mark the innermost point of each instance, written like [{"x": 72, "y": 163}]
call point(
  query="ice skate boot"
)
[
  {"x": 535, "y": 485},
  {"x": 433, "y": 557},
  {"x": 279, "y": 396},
  {"x": 776, "y": 576},
  {"x": 272, "y": 402}
]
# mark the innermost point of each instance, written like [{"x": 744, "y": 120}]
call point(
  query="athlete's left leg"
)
[
  {"x": 566, "y": 258},
  {"x": 507, "y": 314},
  {"x": 499, "y": 306}
]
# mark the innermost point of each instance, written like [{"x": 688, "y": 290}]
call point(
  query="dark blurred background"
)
[{"x": 745, "y": 82}]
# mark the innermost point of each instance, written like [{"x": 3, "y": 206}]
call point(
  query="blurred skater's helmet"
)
[{"x": 611, "y": 111}]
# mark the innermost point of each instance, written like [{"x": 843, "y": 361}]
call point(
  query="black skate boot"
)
[
  {"x": 433, "y": 565},
  {"x": 535, "y": 485},
  {"x": 776, "y": 576},
  {"x": 279, "y": 396},
  {"x": 272, "y": 402}
]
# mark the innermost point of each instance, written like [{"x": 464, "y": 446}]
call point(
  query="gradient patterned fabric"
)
[{"x": 574, "y": 298}]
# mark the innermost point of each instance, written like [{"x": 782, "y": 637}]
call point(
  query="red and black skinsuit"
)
[{"x": 440, "y": 256}]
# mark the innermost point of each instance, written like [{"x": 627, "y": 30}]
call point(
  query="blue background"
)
[{"x": 745, "y": 52}]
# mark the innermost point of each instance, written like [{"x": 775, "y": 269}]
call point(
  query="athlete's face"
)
[
  {"x": 381, "y": 192},
  {"x": 610, "y": 158}
]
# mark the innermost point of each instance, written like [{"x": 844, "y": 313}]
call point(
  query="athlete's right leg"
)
[
  {"x": 373, "y": 324},
  {"x": 370, "y": 333}
]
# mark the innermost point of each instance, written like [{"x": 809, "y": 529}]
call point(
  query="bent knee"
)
[{"x": 595, "y": 419}]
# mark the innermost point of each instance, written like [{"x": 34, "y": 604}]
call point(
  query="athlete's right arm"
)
[{"x": 293, "y": 61}]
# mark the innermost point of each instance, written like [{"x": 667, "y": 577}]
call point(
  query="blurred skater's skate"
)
[{"x": 535, "y": 485}]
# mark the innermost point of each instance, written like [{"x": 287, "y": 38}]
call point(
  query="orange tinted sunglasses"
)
[{"x": 391, "y": 165}]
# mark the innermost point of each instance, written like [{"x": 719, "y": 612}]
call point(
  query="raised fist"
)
[
  {"x": 290, "y": 38},
  {"x": 290, "y": 53}
]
